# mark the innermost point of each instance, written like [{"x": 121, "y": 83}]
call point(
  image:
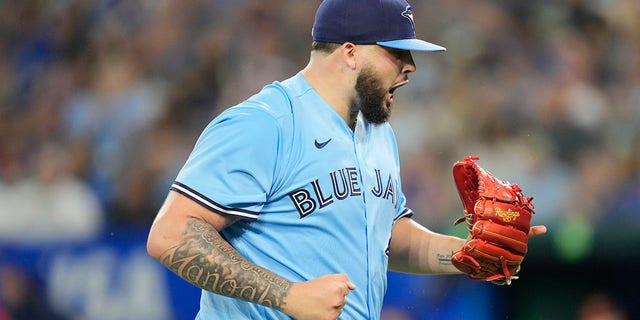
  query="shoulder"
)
[
  {"x": 263, "y": 108},
  {"x": 275, "y": 99},
  {"x": 266, "y": 113}
]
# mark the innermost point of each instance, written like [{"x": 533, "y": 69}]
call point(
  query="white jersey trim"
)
[
  {"x": 406, "y": 213},
  {"x": 210, "y": 204}
]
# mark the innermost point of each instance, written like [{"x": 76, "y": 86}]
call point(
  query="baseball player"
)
[{"x": 291, "y": 204}]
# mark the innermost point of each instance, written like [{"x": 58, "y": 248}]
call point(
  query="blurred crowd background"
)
[{"x": 101, "y": 102}]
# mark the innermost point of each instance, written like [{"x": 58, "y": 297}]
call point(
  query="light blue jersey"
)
[{"x": 314, "y": 196}]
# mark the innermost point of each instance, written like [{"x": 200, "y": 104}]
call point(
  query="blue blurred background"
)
[{"x": 101, "y": 102}]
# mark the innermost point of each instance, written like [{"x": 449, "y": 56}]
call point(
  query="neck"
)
[{"x": 333, "y": 83}]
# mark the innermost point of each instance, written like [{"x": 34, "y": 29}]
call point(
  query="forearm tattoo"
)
[
  {"x": 209, "y": 262},
  {"x": 444, "y": 258}
]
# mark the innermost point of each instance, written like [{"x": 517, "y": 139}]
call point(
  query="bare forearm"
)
[
  {"x": 415, "y": 249},
  {"x": 209, "y": 262}
]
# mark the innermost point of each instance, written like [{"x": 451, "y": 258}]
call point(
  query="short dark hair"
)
[{"x": 327, "y": 47}]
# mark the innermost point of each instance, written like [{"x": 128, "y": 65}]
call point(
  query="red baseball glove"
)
[{"x": 498, "y": 217}]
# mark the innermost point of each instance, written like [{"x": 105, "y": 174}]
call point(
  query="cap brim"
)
[{"x": 412, "y": 44}]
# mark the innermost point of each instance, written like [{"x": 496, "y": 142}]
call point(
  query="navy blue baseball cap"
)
[{"x": 387, "y": 23}]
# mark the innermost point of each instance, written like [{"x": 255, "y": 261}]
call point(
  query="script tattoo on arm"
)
[
  {"x": 444, "y": 258},
  {"x": 206, "y": 260}
]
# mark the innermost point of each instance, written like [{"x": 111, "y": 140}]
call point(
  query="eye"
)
[{"x": 396, "y": 53}]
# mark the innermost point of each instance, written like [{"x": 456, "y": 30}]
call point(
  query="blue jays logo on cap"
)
[
  {"x": 387, "y": 23},
  {"x": 408, "y": 13}
]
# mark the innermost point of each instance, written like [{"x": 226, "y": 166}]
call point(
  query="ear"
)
[{"x": 349, "y": 52}]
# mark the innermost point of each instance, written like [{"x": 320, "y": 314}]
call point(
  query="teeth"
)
[{"x": 398, "y": 86}]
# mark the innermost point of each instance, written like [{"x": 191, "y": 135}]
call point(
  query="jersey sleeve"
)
[
  {"x": 230, "y": 169},
  {"x": 403, "y": 211}
]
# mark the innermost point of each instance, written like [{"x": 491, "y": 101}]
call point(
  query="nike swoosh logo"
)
[{"x": 321, "y": 145}]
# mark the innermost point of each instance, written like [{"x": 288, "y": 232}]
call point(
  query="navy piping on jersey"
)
[
  {"x": 406, "y": 213},
  {"x": 210, "y": 204}
]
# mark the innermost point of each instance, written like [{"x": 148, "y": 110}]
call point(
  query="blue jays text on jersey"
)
[
  {"x": 344, "y": 183},
  {"x": 314, "y": 196}
]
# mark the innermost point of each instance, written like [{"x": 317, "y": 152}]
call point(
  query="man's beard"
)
[{"x": 370, "y": 98}]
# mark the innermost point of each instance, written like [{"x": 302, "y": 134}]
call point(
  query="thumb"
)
[
  {"x": 346, "y": 280},
  {"x": 537, "y": 230}
]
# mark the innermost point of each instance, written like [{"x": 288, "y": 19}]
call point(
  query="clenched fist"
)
[{"x": 318, "y": 299}]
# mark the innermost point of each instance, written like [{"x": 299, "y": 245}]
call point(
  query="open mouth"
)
[
  {"x": 393, "y": 89},
  {"x": 398, "y": 85}
]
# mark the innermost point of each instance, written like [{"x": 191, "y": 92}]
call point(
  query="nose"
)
[{"x": 408, "y": 64}]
